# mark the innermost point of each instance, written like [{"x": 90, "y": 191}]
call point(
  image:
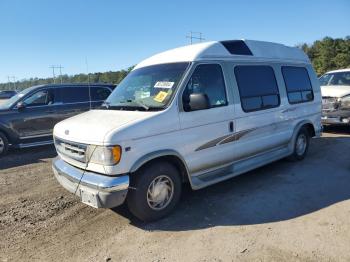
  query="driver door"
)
[
  {"x": 204, "y": 129},
  {"x": 35, "y": 119}
]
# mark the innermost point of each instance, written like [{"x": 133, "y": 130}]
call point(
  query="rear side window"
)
[
  {"x": 298, "y": 84},
  {"x": 75, "y": 94},
  {"x": 99, "y": 93},
  {"x": 258, "y": 88}
]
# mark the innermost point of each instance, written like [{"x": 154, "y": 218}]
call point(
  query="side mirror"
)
[
  {"x": 198, "y": 101},
  {"x": 20, "y": 105}
]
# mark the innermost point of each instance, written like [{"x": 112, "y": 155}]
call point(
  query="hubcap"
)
[
  {"x": 160, "y": 192},
  {"x": 301, "y": 144},
  {"x": 2, "y": 145}
]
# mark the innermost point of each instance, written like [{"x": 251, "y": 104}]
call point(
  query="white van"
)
[{"x": 200, "y": 114}]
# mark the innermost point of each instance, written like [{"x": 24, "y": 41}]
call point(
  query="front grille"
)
[
  {"x": 329, "y": 103},
  {"x": 71, "y": 150}
]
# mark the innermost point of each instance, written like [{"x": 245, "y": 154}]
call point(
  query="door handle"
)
[{"x": 230, "y": 126}]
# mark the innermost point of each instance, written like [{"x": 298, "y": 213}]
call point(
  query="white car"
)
[
  {"x": 335, "y": 89},
  {"x": 199, "y": 114}
]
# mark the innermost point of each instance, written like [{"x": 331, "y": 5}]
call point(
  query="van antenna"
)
[{"x": 88, "y": 74}]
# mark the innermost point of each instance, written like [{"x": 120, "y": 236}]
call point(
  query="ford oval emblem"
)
[{"x": 66, "y": 132}]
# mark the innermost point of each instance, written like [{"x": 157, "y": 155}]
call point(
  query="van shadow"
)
[
  {"x": 25, "y": 156},
  {"x": 279, "y": 191}
]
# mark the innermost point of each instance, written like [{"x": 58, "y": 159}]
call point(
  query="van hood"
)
[
  {"x": 335, "y": 91},
  {"x": 91, "y": 127}
]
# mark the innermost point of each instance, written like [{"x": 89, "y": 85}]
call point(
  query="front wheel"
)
[
  {"x": 154, "y": 191},
  {"x": 301, "y": 145}
]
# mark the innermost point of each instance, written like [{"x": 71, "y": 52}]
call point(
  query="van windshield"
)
[{"x": 147, "y": 88}]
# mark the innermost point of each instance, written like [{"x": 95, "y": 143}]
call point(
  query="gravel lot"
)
[{"x": 282, "y": 212}]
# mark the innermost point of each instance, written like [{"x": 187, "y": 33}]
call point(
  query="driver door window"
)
[
  {"x": 207, "y": 79},
  {"x": 40, "y": 98}
]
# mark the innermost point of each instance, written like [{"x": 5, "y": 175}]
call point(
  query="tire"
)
[
  {"x": 301, "y": 145},
  {"x": 163, "y": 175},
  {"x": 4, "y": 144}
]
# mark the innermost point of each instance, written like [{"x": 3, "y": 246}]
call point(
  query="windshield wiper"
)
[{"x": 136, "y": 102}]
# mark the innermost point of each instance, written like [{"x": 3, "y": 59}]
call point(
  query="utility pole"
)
[
  {"x": 60, "y": 67},
  {"x": 195, "y": 35},
  {"x": 53, "y": 72},
  {"x": 14, "y": 82},
  {"x": 9, "y": 82}
]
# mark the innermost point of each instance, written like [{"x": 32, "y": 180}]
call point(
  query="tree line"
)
[
  {"x": 112, "y": 77},
  {"x": 328, "y": 54},
  {"x": 325, "y": 54}
]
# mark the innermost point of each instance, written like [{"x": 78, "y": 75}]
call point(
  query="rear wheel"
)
[
  {"x": 4, "y": 144},
  {"x": 155, "y": 190},
  {"x": 301, "y": 145}
]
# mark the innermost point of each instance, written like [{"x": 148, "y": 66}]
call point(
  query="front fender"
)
[
  {"x": 157, "y": 154},
  {"x": 10, "y": 134}
]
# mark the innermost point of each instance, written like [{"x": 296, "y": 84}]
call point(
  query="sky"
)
[{"x": 113, "y": 35}]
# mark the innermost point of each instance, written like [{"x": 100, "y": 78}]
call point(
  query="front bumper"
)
[
  {"x": 335, "y": 120},
  {"x": 336, "y": 117},
  {"x": 94, "y": 189}
]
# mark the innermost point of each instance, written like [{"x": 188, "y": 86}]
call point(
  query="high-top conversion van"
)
[{"x": 198, "y": 114}]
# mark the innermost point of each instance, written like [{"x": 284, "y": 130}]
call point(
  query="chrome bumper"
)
[
  {"x": 94, "y": 189},
  {"x": 335, "y": 121}
]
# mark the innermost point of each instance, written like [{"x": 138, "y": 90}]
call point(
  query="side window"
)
[
  {"x": 40, "y": 98},
  {"x": 207, "y": 79},
  {"x": 258, "y": 88},
  {"x": 75, "y": 94},
  {"x": 298, "y": 84},
  {"x": 99, "y": 93}
]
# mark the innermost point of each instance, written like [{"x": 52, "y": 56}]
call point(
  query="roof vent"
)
[{"x": 236, "y": 47}]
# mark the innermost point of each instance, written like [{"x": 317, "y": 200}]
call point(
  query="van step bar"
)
[
  {"x": 43, "y": 143},
  {"x": 238, "y": 167}
]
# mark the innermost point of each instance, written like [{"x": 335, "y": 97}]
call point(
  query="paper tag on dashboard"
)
[
  {"x": 160, "y": 96},
  {"x": 164, "y": 84}
]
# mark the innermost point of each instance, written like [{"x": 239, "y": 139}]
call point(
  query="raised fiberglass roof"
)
[{"x": 231, "y": 49}]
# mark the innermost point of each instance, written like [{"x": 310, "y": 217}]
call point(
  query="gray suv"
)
[{"x": 27, "y": 119}]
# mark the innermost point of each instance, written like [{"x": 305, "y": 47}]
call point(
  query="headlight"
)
[
  {"x": 102, "y": 155},
  {"x": 344, "y": 102}
]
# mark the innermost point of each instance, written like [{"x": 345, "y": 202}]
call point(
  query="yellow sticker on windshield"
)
[{"x": 160, "y": 96}]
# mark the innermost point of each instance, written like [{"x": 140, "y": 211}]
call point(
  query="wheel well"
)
[
  {"x": 5, "y": 134},
  {"x": 176, "y": 161},
  {"x": 310, "y": 128}
]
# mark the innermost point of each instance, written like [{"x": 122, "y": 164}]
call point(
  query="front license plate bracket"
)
[{"x": 89, "y": 198}]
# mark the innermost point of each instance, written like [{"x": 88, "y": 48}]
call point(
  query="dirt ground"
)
[{"x": 282, "y": 212}]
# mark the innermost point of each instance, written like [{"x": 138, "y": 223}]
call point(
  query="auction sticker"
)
[
  {"x": 164, "y": 84},
  {"x": 160, "y": 96}
]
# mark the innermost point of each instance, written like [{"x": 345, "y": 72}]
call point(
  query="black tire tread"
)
[{"x": 294, "y": 156}]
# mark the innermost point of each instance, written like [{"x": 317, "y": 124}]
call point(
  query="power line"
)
[{"x": 195, "y": 35}]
